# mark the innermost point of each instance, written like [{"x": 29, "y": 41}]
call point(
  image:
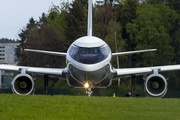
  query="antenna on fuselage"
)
[{"x": 89, "y": 29}]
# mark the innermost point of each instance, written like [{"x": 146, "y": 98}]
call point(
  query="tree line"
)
[{"x": 125, "y": 25}]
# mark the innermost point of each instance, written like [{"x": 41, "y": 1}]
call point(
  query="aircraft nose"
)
[{"x": 93, "y": 76}]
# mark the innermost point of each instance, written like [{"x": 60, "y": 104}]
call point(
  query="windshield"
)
[
  {"x": 88, "y": 50},
  {"x": 89, "y": 55}
]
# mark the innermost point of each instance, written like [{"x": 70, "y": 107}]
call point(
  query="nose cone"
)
[{"x": 89, "y": 41}]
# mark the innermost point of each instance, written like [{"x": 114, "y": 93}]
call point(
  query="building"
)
[
  {"x": 8, "y": 55},
  {"x": 8, "y": 51}
]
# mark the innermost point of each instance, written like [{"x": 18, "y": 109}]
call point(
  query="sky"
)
[{"x": 15, "y": 14}]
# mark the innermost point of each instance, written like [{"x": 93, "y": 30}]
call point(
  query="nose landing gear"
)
[
  {"x": 89, "y": 91},
  {"x": 88, "y": 87}
]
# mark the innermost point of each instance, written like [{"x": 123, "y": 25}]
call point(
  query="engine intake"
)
[
  {"x": 23, "y": 84},
  {"x": 155, "y": 85}
]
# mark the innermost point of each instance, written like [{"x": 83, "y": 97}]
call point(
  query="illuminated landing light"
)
[{"x": 86, "y": 85}]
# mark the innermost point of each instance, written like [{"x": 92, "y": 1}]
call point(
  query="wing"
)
[
  {"x": 46, "y": 52},
  {"x": 126, "y": 72},
  {"x": 36, "y": 70},
  {"x": 132, "y": 52}
]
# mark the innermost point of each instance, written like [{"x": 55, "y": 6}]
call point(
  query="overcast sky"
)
[{"x": 15, "y": 14}]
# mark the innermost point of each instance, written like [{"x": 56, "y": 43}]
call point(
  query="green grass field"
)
[{"x": 57, "y": 107}]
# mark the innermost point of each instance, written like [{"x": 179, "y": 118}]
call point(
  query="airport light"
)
[{"x": 86, "y": 85}]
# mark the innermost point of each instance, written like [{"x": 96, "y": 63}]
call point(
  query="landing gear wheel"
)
[{"x": 89, "y": 91}]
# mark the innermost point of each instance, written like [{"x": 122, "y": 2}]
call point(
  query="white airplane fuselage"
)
[{"x": 88, "y": 61}]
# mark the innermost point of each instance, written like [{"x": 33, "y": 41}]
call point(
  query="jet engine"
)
[
  {"x": 155, "y": 85},
  {"x": 23, "y": 84}
]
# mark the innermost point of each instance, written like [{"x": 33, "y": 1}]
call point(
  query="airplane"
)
[{"x": 88, "y": 65}]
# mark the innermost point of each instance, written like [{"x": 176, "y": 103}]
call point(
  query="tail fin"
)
[{"x": 89, "y": 29}]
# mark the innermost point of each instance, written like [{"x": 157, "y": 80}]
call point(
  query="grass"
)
[{"x": 57, "y": 107}]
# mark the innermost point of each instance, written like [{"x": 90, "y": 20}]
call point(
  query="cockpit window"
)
[
  {"x": 105, "y": 50},
  {"x": 73, "y": 51},
  {"x": 89, "y": 55},
  {"x": 88, "y": 50}
]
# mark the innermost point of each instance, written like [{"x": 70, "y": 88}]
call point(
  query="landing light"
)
[{"x": 86, "y": 85}]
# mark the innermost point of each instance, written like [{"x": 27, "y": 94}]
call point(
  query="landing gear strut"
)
[
  {"x": 132, "y": 88},
  {"x": 89, "y": 91},
  {"x": 46, "y": 84},
  {"x": 46, "y": 81},
  {"x": 88, "y": 85},
  {"x": 133, "y": 85}
]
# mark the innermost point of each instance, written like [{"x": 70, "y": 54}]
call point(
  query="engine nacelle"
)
[
  {"x": 155, "y": 85},
  {"x": 23, "y": 84}
]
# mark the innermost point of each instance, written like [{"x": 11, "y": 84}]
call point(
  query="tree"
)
[
  {"x": 44, "y": 39},
  {"x": 55, "y": 18},
  {"x": 174, "y": 4},
  {"x": 116, "y": 43},
  {"x": 101, "y": 17},
  {"x": 126, "y": 12},
  {"x": 23, "y": 39},
  {"x": 155, "y": 1},
  {"x": 151, "y": 29},
  {"x": 76, "y": 20},
  {"x": 41, "y": 37}
]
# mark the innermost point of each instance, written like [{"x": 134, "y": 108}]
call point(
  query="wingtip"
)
[
  {"x": 26, "y": 49},
  {"x": 153, "y": 49}
]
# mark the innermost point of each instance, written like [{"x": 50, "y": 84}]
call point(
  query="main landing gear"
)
[
  {"x": 89, "y": 92},
  {"x": 46, "y": 82},
  {"x": 132, "y": 88}
]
